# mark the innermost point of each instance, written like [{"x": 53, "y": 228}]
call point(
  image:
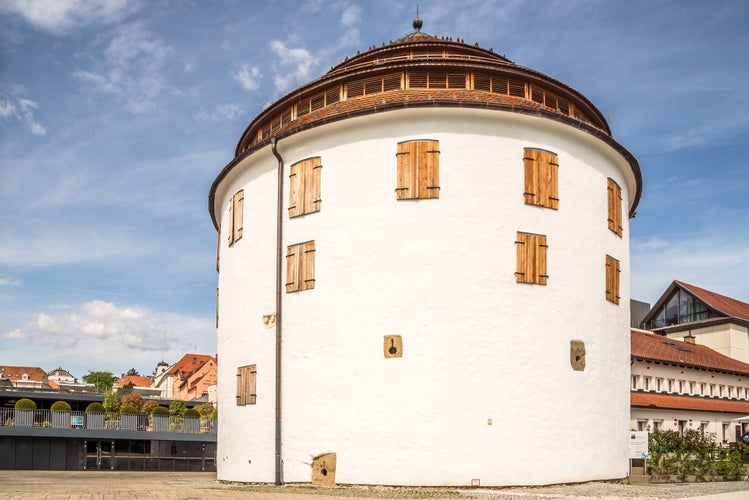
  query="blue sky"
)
[{"x": 116, "y": 116}]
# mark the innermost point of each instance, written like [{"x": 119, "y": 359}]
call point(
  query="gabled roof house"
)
[{"x": 716, "y": 321}]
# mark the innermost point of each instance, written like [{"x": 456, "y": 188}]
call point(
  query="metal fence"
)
[{"x": 106, "y": 421}]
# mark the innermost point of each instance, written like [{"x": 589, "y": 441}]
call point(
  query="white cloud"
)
[
  {"x": 6, "y": 281},
  {"x": 248, "y": 77},
  {"x": 62, "y": 16},
  {"x": 351, "y": 15},
  {"x": 23, "y": 110},
  {"x": 131, "y": 67},
  {"x": 220, "y": 113},
  {"x": 131, "y": 327},
  {"x": 298, "y": 60}
]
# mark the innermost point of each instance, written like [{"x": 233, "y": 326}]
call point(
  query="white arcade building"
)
[{"x": 424, "y": 278}]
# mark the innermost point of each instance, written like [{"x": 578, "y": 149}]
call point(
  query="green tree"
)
[
  {"x": 112, "y": 402},
  {"x": 134, "y": 400},
  {"x": 102, "y": 380},
  {"x": 177, "y": 408},
  {"x": 132, "y": 372}
]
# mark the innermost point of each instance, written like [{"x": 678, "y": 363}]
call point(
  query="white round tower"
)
[{"x": 435, "y": 289}]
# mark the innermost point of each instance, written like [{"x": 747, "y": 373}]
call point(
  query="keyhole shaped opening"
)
[
  {"x": 392, "y": 349},
  {"x": 324, "y": 472},
  {"x": 577, "y": 358}
]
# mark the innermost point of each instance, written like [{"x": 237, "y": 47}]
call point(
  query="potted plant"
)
[
  {"x": 160, "y": 416},
  {"x": 24, "y": 413},
  {"x": 192, "y": 420},
  {"x": 60, "y": 414},
  {"x": 128, "y": 418},
  {"x": 95, "y": 416}
]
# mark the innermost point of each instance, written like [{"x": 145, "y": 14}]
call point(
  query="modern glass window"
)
[
  {"x": 658, "y": 384},
  {"x": 646, "y": 383},
  {"x": 635, "y": 380}
]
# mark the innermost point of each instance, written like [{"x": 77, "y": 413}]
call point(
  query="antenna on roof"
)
[{"x": 417, "y": 24}]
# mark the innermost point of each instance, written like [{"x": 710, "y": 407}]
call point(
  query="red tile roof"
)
[
  {"x": 725, "y": 305},
  {"x": 658, "y": 348},
  {"x": 188, "y": 364},
  {"x": 136, "y": 380},
  {"x": 665, "y": 401},
  {"x": 15, "y": 373}
]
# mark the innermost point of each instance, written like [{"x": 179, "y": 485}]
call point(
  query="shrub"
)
[
  {"x": 691, "y": 454},
  {"x": 60, "y": 406},
  {"x": 205, "y": 409},
  {"x": 128, "y": 410},
  {"x": 214, "y": 414},
  {"x": 112, "y": 401},
  {"x": 177, "y": 408},
  {"x": 25, "y": 404},
  {"x": 135, "y": 400},
  {"x": 190, "y": 412},
  {"x": 148, "y": 406},
  {"x": 95, "y": 407},
  {"x": 160, "y": 411}
]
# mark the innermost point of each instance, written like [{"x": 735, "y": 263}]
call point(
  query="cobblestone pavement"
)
[{"x": 94, "y": 485}]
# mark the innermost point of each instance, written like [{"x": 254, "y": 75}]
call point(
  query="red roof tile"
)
[
  {"x": 16, "y": 373},
  {"x": 664, "y": 401},
  {"x": 136, "y": 380},
  {"x": 188, "y": 364},
  {"x": 658, "y": 348}
]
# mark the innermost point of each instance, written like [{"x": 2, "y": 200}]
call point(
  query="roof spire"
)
[{"x": 417, "y": 24}]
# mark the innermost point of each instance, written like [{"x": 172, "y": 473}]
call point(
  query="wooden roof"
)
[
  {"x": 650, "y": 346},
  {"x": 327, "y": 99}
]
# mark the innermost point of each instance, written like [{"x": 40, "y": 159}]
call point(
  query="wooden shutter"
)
[
  {"x": 292, "y": 268},
  {"x": 307, "y": 266},
  {"x": 418, "y": 167},
  {"x": 304, "y": 187},
  {"x": 237, "y": 210},
  {"x": 429, "y": 169},
  {"x": 216, "y": 307},
  {"x": 615, "y": 207},
  {"x": 541, "y": 182},
  {"x": 246, "y": 385},
  {"x": 300, "y": 267},
  {"x": 218, "y": 250},
  {"x": 531, "y": 258},
  {"x": 612, "y": 279},
  {"x": 406, "y": 164},
  {"x": 296, "y": 181}
]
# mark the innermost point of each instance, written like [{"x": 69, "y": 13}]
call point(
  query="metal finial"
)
[{"x": 417, "y": 24}]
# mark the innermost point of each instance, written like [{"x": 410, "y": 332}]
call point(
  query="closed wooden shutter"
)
[
  {"x": 237, "y": 210},
  {"x": 612, "y": 279},
  {"x": 246, "y": 385},
  {"x": 541, "y": 179},
  {"x": 216, "y": 307},
  {"x": 615, "y": 207},
  {"x": 406, "y": 164},
  {"x": 531, "y": 258},
  {"x": 300, "y": 267},
  {"x": 304, "y": 187},
  {"x": 292, "y": 268},
  {"x": 307, "y": 266},
  {"x": 418, "y": 170}
]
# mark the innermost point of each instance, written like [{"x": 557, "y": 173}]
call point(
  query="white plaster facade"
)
[
  {"x": 726, "y": 338},
  {"x": 484, "y": 389}
]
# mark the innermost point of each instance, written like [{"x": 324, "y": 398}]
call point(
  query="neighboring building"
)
[
  {"x": 189, "y": 378},
  {"x": 25, "y": 377},
  {"x": 682, "y": 385},
  {"x": 140, "y": 385},
  {"x": 61, "y": 380},
  {"x": 716, "y": 321},
  {"x": 451, "y": 279},
  {"x": 162, "y": 381}
]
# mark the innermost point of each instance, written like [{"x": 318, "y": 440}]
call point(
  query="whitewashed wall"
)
[{"x": 478, "y": 347}]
